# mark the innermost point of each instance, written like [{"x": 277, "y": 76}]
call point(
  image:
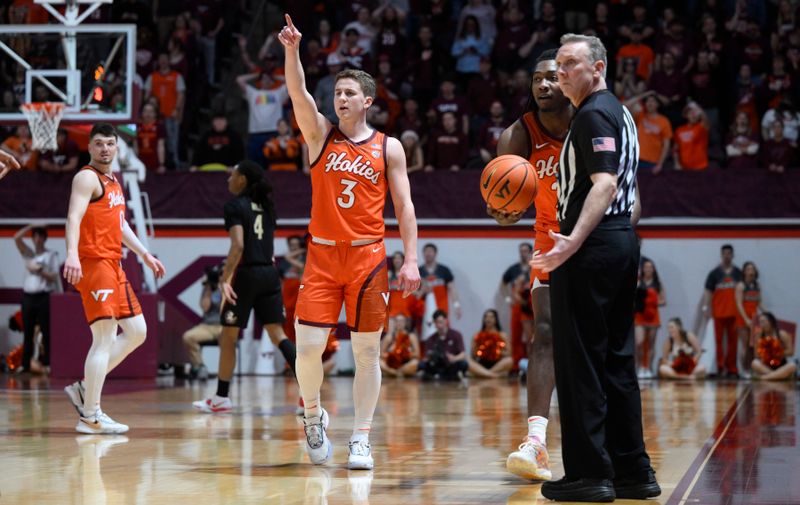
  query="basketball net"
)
[{"x": 43, "y": 119}]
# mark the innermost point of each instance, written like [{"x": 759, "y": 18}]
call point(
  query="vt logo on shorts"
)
[
  {"x": 385, "y": 298},
  {"x": 101, "y": 294}
]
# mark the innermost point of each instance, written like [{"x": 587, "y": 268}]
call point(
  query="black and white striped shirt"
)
[{"x": 601, "y": 138}]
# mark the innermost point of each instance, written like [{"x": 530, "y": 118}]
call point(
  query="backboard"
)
[{"x": 89, "y": 67}]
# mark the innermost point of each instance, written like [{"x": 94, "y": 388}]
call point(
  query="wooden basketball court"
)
[{"x": 711, "y": 442}]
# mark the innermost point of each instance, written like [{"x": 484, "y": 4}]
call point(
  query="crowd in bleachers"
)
[{"x": 712, "y": 83}]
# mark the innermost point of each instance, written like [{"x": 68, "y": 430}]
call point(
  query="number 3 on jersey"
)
[{"x": 348, "y": 192}]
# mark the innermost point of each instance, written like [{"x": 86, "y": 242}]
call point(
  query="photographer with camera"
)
[
  {"x": 209, "y": 328},
  {"x": 445, "y": 356}
]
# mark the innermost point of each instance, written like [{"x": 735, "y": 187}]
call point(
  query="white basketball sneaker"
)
[
  {"x": 360, "y": 457},
  {"x": 213, "y": 405},
  {"x": 530, "y": 461},
  {"x": 76, "y": 392},
  {"x": 318, "y": 445},
  {"x": 99, "y": 424}
]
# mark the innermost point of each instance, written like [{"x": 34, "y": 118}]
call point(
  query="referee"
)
[{"x": 594, "y": 267}]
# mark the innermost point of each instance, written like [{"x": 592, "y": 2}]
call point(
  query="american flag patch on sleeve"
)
[{"x": 604, "y": 144}]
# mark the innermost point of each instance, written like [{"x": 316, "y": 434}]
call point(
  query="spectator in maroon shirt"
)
[
  {"x": 353, "y": 54},
  {"x": 546, "y": 31},
  {"x": 639, "y": 21},
  {"x": 447, "y": 148},
  {"x": 751, "y": 47},
  {"x": 514, "y": 32},
  {"x": 482, "y": 90},
  {"x": 410, "y": 119},
  {"x": 518, "y": 93},
  {"x": 710, "y": 40},
  {"x": 744, "y": 95},
  {"x": 390, "y": 39},
  {"x": 675, "y": 41},
  {"x": 64, "y": 158},
  {"x": 777, "y": 153},
  {"x": 742, "y": 145},
  {"x": 670, "y": 87},
  {"x": 314, "y": 63},
  {"x": 778, "y": 83},
  {"x": 491, "y": 131},
  {"x": 601, "y": 26},
  {"x": 629, "y": 84},
  {"x": 704, "y": 88},
  {"x": 447, "y": 101},
  {"x": 425, "y": 61}
]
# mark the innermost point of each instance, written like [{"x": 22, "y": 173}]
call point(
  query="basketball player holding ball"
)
[
  {"x": 353, "y": 168},
  {"x": 537, "y": 136}
]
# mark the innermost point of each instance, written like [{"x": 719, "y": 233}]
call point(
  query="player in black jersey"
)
[{"x": 249, "y": 280}]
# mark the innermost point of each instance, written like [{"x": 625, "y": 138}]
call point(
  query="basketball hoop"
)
[{"x": 43, "y": 119}]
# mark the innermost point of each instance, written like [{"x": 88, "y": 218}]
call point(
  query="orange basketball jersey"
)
[
  {"x": 101, "y": 226},
  {"x": 349, "y": 184},
  {"x": 545, "y": 151}
]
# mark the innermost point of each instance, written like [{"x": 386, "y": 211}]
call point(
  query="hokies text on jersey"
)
[
  {"x": 338, "y": 162},
  {"x": 115, "y": 198},
  {"x": 547, "y": 168}
]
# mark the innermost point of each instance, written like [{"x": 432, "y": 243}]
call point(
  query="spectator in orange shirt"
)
[
  {"x": 282, "y": 152},
  {"x": 655, "y": 134},
  {"x": 169, "y": 87},
  {"x": 20, "y": 146},
  {"x": 150, "y": 139},
  {"x": 642, "y": 54},
  {"x": 691, "y": 140}
]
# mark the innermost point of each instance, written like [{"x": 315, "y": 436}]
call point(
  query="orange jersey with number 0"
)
[
  {"x": 348, "y": 188},
  {"x": 101, "y": 226},
  {"x": 545, "y": 151}
]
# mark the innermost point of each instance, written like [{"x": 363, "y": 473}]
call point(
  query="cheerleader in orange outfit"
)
[
  {"x": 681, "y": 354},
  {"x": 400, "y": 349},
  {"x": 490, "y": 359},
  {"x": 772, "y": 348},
  {"x": 647, "y": 318},
  {"x": 748, "y": 304}
]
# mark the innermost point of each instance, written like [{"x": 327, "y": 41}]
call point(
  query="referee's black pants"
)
[{"x": 592, "y": 297}]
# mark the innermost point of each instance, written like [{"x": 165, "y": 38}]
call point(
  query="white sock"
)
[
  {"x": 134, "y": 330},
  {"x": 96, "y": 364},
  {"x": 537, "y": 428},
  {"x": 308, "y": 365},
  {"x": 367, "y": 382}
]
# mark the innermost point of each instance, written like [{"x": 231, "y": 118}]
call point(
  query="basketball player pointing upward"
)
[
  {"x": 96, "y": 230},
  {"x": 346, "y": 260}
]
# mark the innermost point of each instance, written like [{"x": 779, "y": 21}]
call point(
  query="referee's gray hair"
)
[{"x": 597, "y": 51}]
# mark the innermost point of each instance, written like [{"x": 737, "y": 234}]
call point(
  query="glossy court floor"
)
[{"x": 711, "y": 443}]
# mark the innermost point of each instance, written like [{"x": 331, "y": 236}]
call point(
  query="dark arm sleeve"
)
[
  {"x": 446, "y": 274},
  {"x": 711, "y": 280},
  {"x": 599, "y": 141},
  {"x": 233, "y": 215}
]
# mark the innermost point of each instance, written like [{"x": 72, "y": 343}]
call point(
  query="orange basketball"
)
[{"x": 508, "y": 183}]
